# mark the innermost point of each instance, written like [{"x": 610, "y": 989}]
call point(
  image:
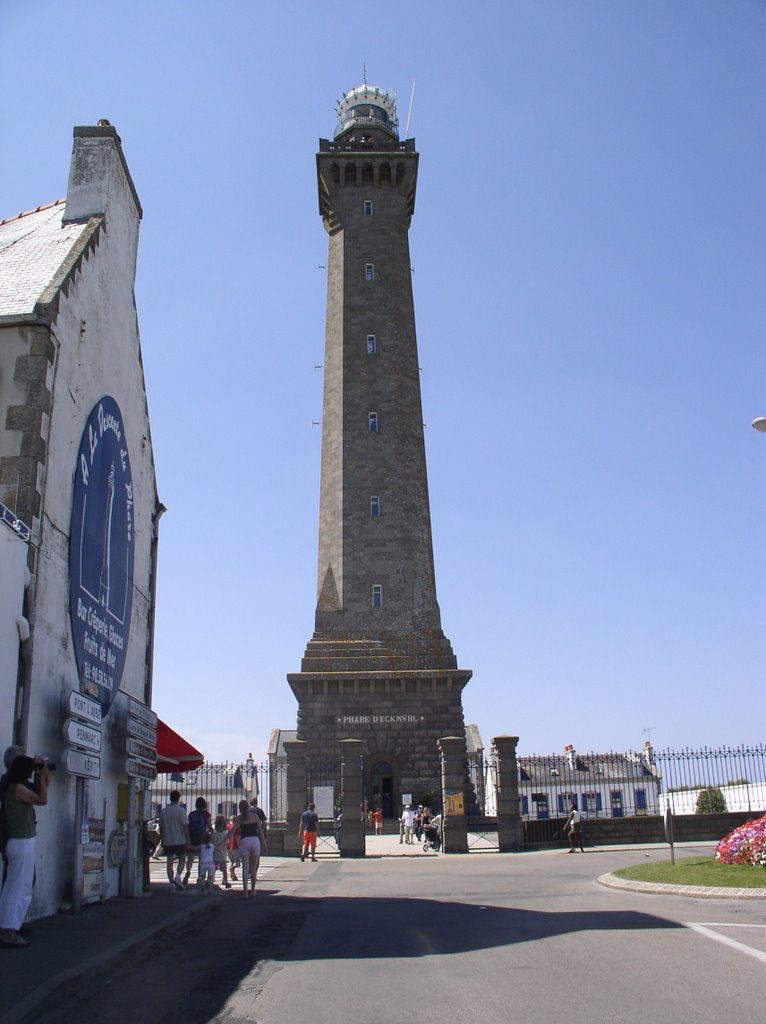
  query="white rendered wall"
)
[
  {"x": 98, "y": 354},
  {"x": 13, "y": 570}
]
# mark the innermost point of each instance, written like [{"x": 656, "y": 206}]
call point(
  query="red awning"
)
[{"x": 174, "y": 753}]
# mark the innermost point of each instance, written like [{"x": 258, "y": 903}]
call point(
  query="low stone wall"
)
[{"x": 687, "y": 828}]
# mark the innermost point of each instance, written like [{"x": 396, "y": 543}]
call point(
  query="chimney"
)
[
  {"x": 569, "y": 753},
  {"x": 99, "y": 179},
  {"x": 649, "y": 753}
]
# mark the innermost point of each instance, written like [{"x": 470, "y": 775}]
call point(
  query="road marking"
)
[{"x": 706, "y": 929}]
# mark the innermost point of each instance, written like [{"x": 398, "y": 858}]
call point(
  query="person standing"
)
[
  {"x": 264, "y": 825},
  {"x": 574, "y": 828},
  {"x": 174, "y": 835},
  {"x": 19, "y": 800},
  {"x": 408, "y": 820},
  {"x": 206, "y": 863},
  {"x": 308, "y": 830},
  {"x": 252, "y": 840},
  {"x": 199, "y": 823},
  {"x": 220, "y": 842},
  {"x": 377, "y": 815},
  {"x": 233, "y": 847}
]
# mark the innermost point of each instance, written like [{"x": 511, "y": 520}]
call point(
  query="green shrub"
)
[{"x": 710, "y": 801}]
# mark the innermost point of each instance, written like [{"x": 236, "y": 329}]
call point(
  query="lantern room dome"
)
[{"x": 368, "y": 106}]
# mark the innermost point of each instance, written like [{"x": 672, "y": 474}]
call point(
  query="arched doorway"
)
[{"x": 381, "y": 786}]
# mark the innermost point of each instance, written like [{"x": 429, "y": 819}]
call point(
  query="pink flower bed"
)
[{"x": 745, "y": 845}]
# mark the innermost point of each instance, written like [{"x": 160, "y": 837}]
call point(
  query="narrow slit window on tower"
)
[
  {"x": 374, "y": 506},
  {"x": 372, "y": 423},
  {"x": 377, "y": 595},
  {"x": 369, "y": 272},
  {"x": 372, "y": 345},
  {"x": 368, "y": 207}
]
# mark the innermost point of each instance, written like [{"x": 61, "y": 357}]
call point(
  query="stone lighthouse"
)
[{"x": 378, "y": 667}]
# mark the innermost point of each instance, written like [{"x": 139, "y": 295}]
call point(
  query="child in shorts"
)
[
  {"x": 220, "y": 841},
  {"x": 206, "y": 862}
]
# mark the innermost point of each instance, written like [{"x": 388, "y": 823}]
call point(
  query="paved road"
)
[{"x": 487, "y": 938}]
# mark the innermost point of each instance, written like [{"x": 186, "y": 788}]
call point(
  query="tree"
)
[{"x": 710, "y": 801}]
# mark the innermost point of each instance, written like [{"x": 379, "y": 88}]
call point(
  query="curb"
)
[{"x": 699, "y": 892}]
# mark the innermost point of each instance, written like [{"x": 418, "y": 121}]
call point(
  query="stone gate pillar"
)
[
  {"x": 352, "y": 824},
  {"x": 453, "y": 758},
  {"x": 296, "y": 793},
  {"x": 508, "y": 802}
]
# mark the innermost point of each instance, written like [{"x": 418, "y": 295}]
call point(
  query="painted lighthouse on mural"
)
[{"x": 378, "y": 667}]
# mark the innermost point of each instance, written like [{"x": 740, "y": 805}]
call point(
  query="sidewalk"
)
[{"x": 67, "y": 947}]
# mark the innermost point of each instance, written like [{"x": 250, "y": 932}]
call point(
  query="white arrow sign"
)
[
  {"x": 142, "y": 732},
  {"x": 88, "y": 766},
  {"x": 85, "y": 707},
  {"x": 138, "y": 710},
  {"x": 140, "y": 769},
  {"x": 81, "y": 735}
]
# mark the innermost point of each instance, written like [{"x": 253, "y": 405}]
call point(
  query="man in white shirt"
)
[
  {"x": 408, "y": 820},
  {"x": 174, "y": 833}
]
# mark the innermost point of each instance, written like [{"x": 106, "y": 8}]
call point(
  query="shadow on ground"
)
[{"x": 328, "y": 928}]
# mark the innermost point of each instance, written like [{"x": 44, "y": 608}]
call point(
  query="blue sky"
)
[{"x": 589, "y": 269}]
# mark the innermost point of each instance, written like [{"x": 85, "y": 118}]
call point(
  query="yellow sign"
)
[{"x": 453, "y": 802}]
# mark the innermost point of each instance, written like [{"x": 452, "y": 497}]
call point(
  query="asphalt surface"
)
[{"x": 399, "y": 935}]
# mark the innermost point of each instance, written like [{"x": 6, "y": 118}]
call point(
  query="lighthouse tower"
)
[{"x": 378, "y": 666}]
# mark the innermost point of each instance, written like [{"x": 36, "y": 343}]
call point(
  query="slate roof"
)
[
  {"x": 38, "y": 253},
  {"x": 592, "y": 767}
]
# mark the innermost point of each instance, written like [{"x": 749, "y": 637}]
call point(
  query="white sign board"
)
[
  {"x": 142, "y": 732},
  {"x": 81, "y": 735},
  {"x": 84, "y": 707},
  {"x": 324, "y": 798},
  {"x": 138, "y": 710},
  {"x": 141, "y": 750},
  {"x": 117, "y": 849},
  {"x": 140, "y": 769},
  {"x": 87, "y": 766}
]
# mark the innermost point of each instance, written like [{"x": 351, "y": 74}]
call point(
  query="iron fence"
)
[
  {"x": 223, "y": 786},
  {"x": 615, "y": 785}
]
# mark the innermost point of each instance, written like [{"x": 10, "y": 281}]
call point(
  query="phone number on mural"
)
[{"x": 96, "y": 675}]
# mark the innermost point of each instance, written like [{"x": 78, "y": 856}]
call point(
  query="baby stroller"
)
[{"x": 432, "y": 836}]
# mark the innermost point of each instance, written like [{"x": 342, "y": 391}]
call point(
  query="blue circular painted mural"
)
[{"x": 101, "y": 545}]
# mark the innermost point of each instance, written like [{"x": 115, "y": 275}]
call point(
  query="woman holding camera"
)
[{"x": 20, "y": 797}]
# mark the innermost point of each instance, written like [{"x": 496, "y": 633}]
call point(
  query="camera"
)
[{"x": 40, "y": 761}]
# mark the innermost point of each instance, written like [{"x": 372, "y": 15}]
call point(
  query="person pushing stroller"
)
[{"x": 432, "y": 834}]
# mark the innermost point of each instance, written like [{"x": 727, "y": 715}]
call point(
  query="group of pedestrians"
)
[
  {"x": 413, "y": 823},
  {"x": 218, "y": 846}
]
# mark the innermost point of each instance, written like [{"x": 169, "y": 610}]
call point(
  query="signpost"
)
[
  {"x": 84, "y": 766},
  {"x": 81, "y": 759},
  {"x": 140, "y": 764},
  {"x": 142, "y": 732},
  {"x": 142, "y": 750},
  {"x": 140, "y": 769},
  {"x": 81, "y": 735},
  {"x": 85, "y": 708}
]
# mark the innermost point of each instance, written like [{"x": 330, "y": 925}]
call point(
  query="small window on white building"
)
[
  {"x": 375, "y": 506},
  {"x": 368, "y": 207},
  {"x": 372, "y": 345},
  {"x": 373, "y": 423},
  {"x": 369, "y": 271},
  {"x": 377, "y": 595}
]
